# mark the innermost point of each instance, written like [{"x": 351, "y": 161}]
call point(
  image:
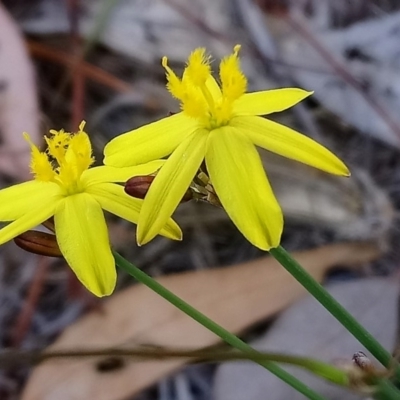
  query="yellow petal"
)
[
  {"x": 18, "y": 200},
  {"x": 239, "y": 179},
  {"x": 113, "y": 199},
  {"x": 28, "y": 220},
  {"x": 169, "y": 186},
  {"x": 105, "y": 173},
  {"x": 288, "y": 143},
  {"x": 149, "y": 142},
  {"x": 83, "y": 240},
  {"x": 269, "y": 101}
]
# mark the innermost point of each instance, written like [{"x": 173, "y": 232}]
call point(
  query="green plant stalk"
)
[
  {"x": 386, "y": 391},
  {"x": 335, "y": 308},
  {"x": 13, "y": 358},
  {"x": 225, "y": 335}
]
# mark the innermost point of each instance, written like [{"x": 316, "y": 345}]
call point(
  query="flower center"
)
[
  {"x": 67, "y": 156},
  {"x": 200, "y": 95}
]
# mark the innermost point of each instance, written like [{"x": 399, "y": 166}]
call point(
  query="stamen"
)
[
  {"x": 57, "y": 144},
  {"x": 236, "y": 49},
  {"x": 174, "y": 85},
  {"x": 82, "y": 126},
  {"x": 233, "y": 81},
  {"x": 40, "y": 165},
  {"x": 198, "y": 67}
]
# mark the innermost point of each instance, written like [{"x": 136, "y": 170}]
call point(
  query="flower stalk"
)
[
  {"x": 386, "y": 391},
  {"x": 225, "y": 335},
  {"x": 335, "y": 308}
]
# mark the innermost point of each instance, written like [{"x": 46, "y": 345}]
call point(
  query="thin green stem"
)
[
  {"x": 225, "y": 335},
  {"x": 386, "y": 391},
  {"x": 11, "y": 358},
  {"x": 336, "y": 309}
]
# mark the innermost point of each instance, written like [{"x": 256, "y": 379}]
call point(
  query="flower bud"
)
[
  {"x": 138, "y": 186},
  {"x": 41, "y": 243}
]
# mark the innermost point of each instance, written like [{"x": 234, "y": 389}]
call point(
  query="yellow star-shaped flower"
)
[
  {"x": 65, "y": 187},
  {"x": 220, "y": 123}
]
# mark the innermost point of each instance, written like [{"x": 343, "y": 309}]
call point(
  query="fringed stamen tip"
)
[
  {"x": 82, "y": 126},
  {"x": 236, "y": 49}
]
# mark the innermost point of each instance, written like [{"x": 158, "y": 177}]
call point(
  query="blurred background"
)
[{"x": 62, "y": 61}]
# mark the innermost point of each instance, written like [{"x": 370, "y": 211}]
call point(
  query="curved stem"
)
[
  {"x": 386, "y": 391},
  {"x": 335, "y": 308},
  {"x": 225, "y": 335}
]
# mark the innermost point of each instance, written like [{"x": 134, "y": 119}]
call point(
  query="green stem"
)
[
  {"x": 386, "y": 391},
  {"x": 225, "y": 335},
  {"x": 336, "y": 309}
]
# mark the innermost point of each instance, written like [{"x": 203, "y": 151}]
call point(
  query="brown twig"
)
[
  {"x": 12, "y": 357},
  {"x": 90, "y": 71}
]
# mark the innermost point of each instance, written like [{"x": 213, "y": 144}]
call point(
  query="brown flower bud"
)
[
  {"x": 41, "y": 243},
  {"x": 138, "y": 186}
]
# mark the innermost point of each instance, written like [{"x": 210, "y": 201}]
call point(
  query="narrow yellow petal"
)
[
  {"x": 105, "y": 173},
  {"x": 149, "y": 142},
  {"x": 288, "y": 143},
  {"x": 169, "y": 186},
  {"x": 82, "y": 235},
  {"x": 18, "y": 200},
  {"x": 28, "y": 221},
  {"x": 269, "y": 101},
  {"x": 113, "y": 199},
  {"x": 239, "y": 179}
]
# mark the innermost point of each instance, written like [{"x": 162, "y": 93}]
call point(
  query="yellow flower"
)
[
  {"x": 65, "y": 187},
  {"x": 221, "y": 124}
]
